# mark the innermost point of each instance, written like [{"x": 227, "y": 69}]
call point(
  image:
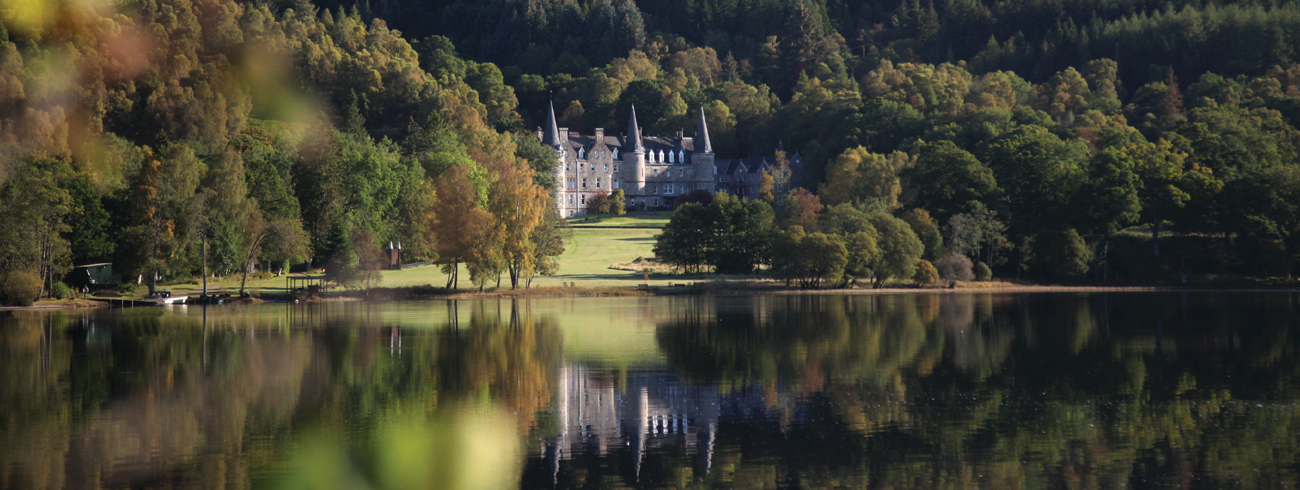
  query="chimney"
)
[
  {"x": 564, "y": 134},
  {"x": 680, "y": 134},
  {"x": 600, "y": 135}
]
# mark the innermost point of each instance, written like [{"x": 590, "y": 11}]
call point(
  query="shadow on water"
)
[{"x": 899, "y": 391}]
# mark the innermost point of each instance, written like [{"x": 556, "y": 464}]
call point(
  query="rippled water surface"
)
[{"x": 1123, "y": 390}]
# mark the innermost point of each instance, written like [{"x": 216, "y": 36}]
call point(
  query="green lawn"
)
[
  {"x": 655, "y": 219},
  {"x": 586, "y": 261}
]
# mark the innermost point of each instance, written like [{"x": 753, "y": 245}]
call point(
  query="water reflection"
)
[{"x": 903, "y": 391}]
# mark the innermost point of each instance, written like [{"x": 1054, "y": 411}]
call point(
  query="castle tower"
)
[
  {"x": 702, "y": 157},
  {"x": 633, "y": 159}
]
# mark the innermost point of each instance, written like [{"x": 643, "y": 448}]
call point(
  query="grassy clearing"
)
[
  {"x": 654, "y": 219},
  {"x": 586, "y": 261}
]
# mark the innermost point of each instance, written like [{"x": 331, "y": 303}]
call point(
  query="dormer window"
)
[
  {"x": 671, "y": 158},
  {"x": 581, "y": 151},
  {"x": 681, "y": 156},
  {"x": 661, "y": 155},
  {"x": 616, "y": 153}
]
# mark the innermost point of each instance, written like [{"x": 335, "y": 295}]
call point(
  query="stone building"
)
[{"x": 652, "y": 171}]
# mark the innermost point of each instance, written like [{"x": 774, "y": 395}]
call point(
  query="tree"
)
[
  {"x": 685, "y": 240},
  {"x": 458, "y": 220},
  {"x": 518, "y": 206},
  {"x": 926, "y": 274},
  {"x": 799, "y": 207},
  {"x": 860, "y": 176},
  {"x": 598, "y": 203},
  {"x": 926, "y": 230},
  {"x": 822, "y": 257},
  {"x": 947, "y": 179},
  {"x": 900, "y": 250},
  {"x": 166, "y": 210},
  {"x": 617, "y": 203},
  {"x": 863, "y": 253},
  {"x": 34, "y": 210},
  {"x": 955, "y": 267},
  {"x": 1062, "y": 254},
  {"x": 741, "y": 233},
  {"x": 549, "y": 239},
  {"x": 1040, "y": 174}
]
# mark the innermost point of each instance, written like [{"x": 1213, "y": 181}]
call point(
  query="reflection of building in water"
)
[{"x": 652, "y": 410}]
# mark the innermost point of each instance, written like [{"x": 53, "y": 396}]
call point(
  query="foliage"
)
[
  {"x": 1063, "y": 254},
  {"x": 954, "y": 267},
  {"x": 900, "y": 249},
  {"x": 60, "y": 291},
  {"x": 19, "y": 288},
  {"x": 982, "y": 272},
  {"x": 926, "y": 274}
]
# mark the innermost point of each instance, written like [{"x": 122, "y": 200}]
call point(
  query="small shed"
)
[{"x": 100, "y": 274}]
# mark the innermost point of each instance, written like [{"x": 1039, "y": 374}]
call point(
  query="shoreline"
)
[{"x": 415, "y": 293}]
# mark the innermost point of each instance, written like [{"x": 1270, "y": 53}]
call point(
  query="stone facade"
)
[{"x": 652, "y": 171}]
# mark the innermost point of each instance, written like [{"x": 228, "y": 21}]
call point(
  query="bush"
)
[
  {"x": 1064, "y": 255},
  {"x": 955, "y": 267},
  {"x": 982, "y": 272},
  {"x": 926, "y": 274},
  {"x": 19, "y": 288},
  {"x": 60, "y": 291}
]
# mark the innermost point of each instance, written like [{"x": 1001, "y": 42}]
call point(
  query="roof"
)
[
  {"x": 647, "y": 142},
  {"x": 92, "y": 265}
]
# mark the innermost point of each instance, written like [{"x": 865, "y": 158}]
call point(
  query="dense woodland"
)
[{"x": 1032, "y": 137}]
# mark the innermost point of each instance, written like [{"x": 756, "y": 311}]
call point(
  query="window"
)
[
  {"x": 570, "y": 199},
  {"x": 584, "y": 199},
  {"x": 582, "y": 167},
  {"x": 669, "y": 190},
  {"x": 615, "y": 182},
  {"x": 656, "y": 188},
  {"x": 656, "y": 172},
  {"x": 566, "y": 166},
  {"x": 584, "y": 182},
  {"x": 597, "y": 182},
  {"x": 615, "y": 167},
  {"x": 606, "y": 168}
]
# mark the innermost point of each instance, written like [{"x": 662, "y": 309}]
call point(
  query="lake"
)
[{"x": 1000, "y": 391}]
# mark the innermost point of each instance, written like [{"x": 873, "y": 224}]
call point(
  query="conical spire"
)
[
  {"x": 702, "y": 144},
  {"x": 633, "y": 134},
  {"x": 551, "y": 136}
]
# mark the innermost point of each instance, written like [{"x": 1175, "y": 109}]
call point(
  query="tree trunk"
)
[
  {"x": 248, "y": 263},
  {"x": 205, "y": 266},
  {"x": 1155, "y": 226}
]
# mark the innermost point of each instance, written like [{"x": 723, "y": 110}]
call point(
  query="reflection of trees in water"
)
[
  {"x": 143, "y": 398},
  {"x": 1101, "y": 391},
  {"x": 805, "y": 341}
]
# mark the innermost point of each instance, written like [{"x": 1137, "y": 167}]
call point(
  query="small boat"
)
[{"x": 171, "y": 300}]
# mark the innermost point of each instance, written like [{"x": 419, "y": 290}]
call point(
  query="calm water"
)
[{"x": 1132, "y": 390}]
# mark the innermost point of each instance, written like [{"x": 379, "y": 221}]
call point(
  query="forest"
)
[{"x": 1123, "y": 140}]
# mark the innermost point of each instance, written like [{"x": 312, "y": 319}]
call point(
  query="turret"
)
[
  {"x": 702, "y": 157},
  {"x": 551, "y": 133},
  {"x": 633, "y": 154}
]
